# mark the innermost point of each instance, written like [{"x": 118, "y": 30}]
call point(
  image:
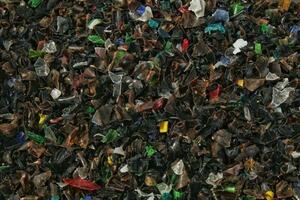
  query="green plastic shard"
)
[
  {"x": 168, "y": 47},
  {"x": 264, "y": 28},
  {"x": 35, "y": 137},
  {"x": 128, "y": 38},
  {"x": 110, "y": 136},
  {"x": 150, "y": 151},
  {"x": 258, "y": 48},
  {"x": 237, "y": 8},
  {"x": 96, "y": 39},
  {"x": 177, "y": 195},
  {"x": 34, "y": 3},
  {"x": 120, "y": 55},
  {"x": 90, "y": 110},
  {"x": 36, "y": 53},
  {"x": 230, "y": 189},
  {"x": 4, "y": 167}
]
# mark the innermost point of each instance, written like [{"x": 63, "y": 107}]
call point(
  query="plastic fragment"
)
[
  {"x": 42, "y": 119},
  {"x": 82, "y": 184},
  {"x": 41, "y": 68},
  {"x": 94, "y": 22},
  {"x": 258, "y": 48},
  {"x": 34, "y": 3},
  {"x": 280, "y": 96},
  {"x": 110, "y": 136},
  {"x": 272, "y": 76},
  {"x": 150, "y": 151},
  {"x": 37, "y": 138},
  {"x": 164, "y": 188},
  {"x": 90, "y": 110},
  {"x": 284, "y": 5},
  {"x": 214, "y": 95},
  {"x": 149, "y": 196},
  {"x": 247, "y": 113},
  {"x": 238, "y": 44},
  {"x": 177, "y": 195},
  {"x": 221, "y": 15},
  {"x": 50, "y": 47},
  {"x": 178, "y": 167},
  {"x": 153, "y": 23},
  {"x": 214, "y": 27},
  {"x": 163, "y": 126},
  {"x": 55, "y": 93},
  {"x": 21, "y": 137},
  {"x": 55, "y": 198},
  {"x": 213, "y": 179},
  {"x": 185, "y": 45},
  {"x": 237, "y": 8},
  {"x": 36, "y": 53},
  {"x": 96, "y": 39},
  {"x": 269, "y": 195},
  {"x": 230, "y": 189},
  {"x": 4, "y": 167},
  {"x": 240, "y": 82},
  {"x": 198, "y": 7},
  {"x": 147, "y": 14},
  {"x": 87, "y": 197}
]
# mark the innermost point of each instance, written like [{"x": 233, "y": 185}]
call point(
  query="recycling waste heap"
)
[{"x": 149, "y": 99}]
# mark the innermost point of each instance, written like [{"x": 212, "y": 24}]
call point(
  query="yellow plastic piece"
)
[
  {"x": 42, "y": 119},
  {"x": 163, "y": 127},
  {"x": 110, "y": 160},
  {"x": 284, "y": 5},
  {"x": 269, "y": 195},
  {"x": 240, "y": 82}
]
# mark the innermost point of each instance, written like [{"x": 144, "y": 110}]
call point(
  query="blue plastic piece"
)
[
  {"x": 140, "y": 10},
  {"x": 221, "y": 15}
]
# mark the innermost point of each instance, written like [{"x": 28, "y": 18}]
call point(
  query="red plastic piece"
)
[
  {"x": 82, "y": 184},
  {"x": 185, "y": 45},
  {"x": 184, "y": 9},
  {"x": 215, "y": 93},
  {"x": 158, "y": 104}
]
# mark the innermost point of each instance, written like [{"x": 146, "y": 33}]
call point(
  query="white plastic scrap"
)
[
  {"x": 50, "y": 47},
  {"x": 146, "y": 15},
  {"x": 119, "y": 150},
  {"x": 272, "y": 77},
  {"x": 198, "y": 7},
  {"x": 124, "y": 169},
  {"x": 55, "y": 93},
  {"x": 238, "y": 44},
  {"x": 281, "y": 93},
  {"x": 117, "y": 80},
  {"x": 295, "y": 154},
  {"x": 143, "y": 194},
  {"x": 214, "y": 178},
  {"x": 247, "y": 113},
  {"x": 94, "y": 23},
  {"x": 164, "y": 188},
  {"x": 178, "y": 167}
]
